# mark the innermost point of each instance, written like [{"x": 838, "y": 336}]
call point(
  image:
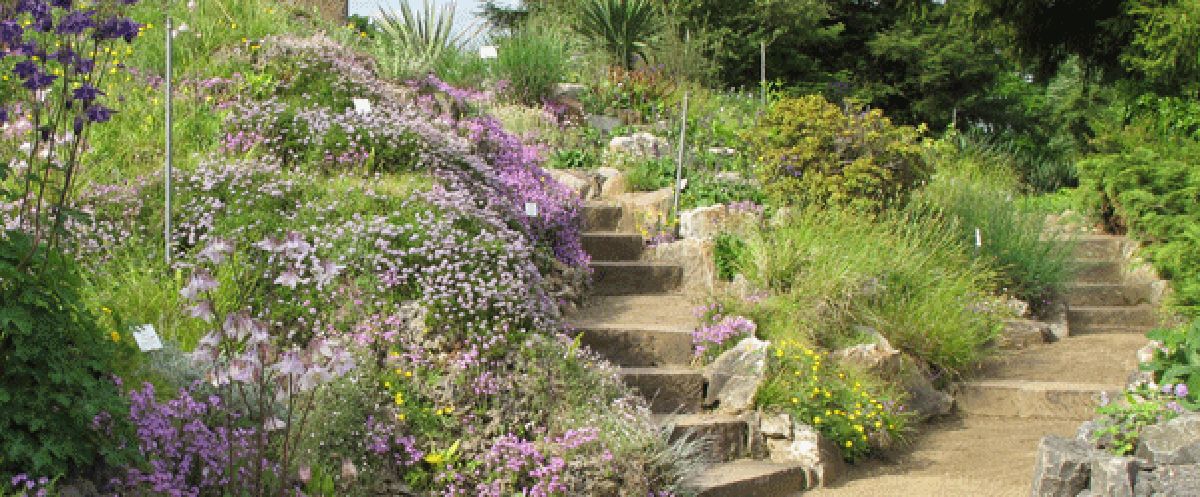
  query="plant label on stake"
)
[
  {"x": 147, "y": 338},
  {"x": 530, "y": 209},
  {"x": 362, "y": 105},
  {"x": 488, "y": 52}
]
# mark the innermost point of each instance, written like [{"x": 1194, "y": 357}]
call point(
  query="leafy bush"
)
[
  {"x": 1177, "y": 362},
  {"x": 573, "y": 159},
  {"x": 1149, "y": 186},
  {"x": 812, "y": 152},
  {"x": 727, "y": 249},
  {"x": 652, "y": 174},
  {"x": 1145, "y": 405},
  {"x": 54, "y": 380}
]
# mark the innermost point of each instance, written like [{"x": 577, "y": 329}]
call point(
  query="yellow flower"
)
[
  {"x": 399, "y": 398},
  {"x": 115, "y": 336},
  {"x": 400, "y": 417},
  {"x": 105, "y": 309},
  {"x": 387, "y": 384},
  {"x": 795, "y": 400},
  {"x": 817, "y": 420},
  {"x": 435, "y": 459},
  {"x": 408, "y": 374},
  {"x": 849, "y": 443}
]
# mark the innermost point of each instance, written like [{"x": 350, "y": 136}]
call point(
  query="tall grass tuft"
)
[
  {"x": 832, "y": 271},
  {"x": 532, "y": 61}
]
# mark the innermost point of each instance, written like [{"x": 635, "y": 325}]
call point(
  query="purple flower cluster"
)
[
  {"x": 520, "y": 466},
  {"x": 715, "y": 335},
  {"x": 748, "y": 206},
  {"x": 31, "y": 484},
  {"x": 187, "y": 455}
]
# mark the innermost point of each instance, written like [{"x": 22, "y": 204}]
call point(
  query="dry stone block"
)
[
  {"x": 614, "y": 185},
  {"x": 923, "y": 398},
  {"x": 580, "y": 182},
  {"x": 695, "y": 256},
  {"x": 778, "y": 426},
  {"x": 1062, "y": 468},
  {"x": 1175, "y": 442},
  {"x": 820, "y": 457},
  {"x": 640, "y": 145},
  {"x": 735, "y": 376},
  {"x": 1113, "y": 476},
  {"x": 706, "y": 222}
]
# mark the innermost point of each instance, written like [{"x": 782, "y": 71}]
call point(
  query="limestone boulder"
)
[
  {"x": 734, "y": 377},
  {"x": 708, "y": 221},
  {"x": 1181, "y": 479},
  {"x": 569, "y": 90},
  {"x": 582, "y": 183},
  {"x": 605, "y": 124},
  {"x": 776, "y": 426},
  {"x": 615, "y": 185},
  {"x": 923, "y": 398},
  {"x": 640, "y": 144},
  {"x": 694, "y": 255},
  {"x": 1175, "y": 442},
  {"x": 645, "y": 209},
  {"x": 1113, "y": 475},
  {"x": 820, "y": 457}
]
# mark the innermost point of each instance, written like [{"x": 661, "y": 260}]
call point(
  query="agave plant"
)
[
  {"x": 625, "y": 28},
  {"x": 412, "y": 43}
]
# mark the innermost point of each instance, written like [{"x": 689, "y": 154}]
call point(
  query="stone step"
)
[
  {"x": 598, "y": 216},
  {"x": 1033, "y": 399},
  {"x": 613, "y": 246},
  {"x": 1099, "y": 271},
  {"x": 669, "y": 390},
  {"x": 748, "y": 478},
  {"x": 724, "y": 435},
  {"x": 635, "y": 278},
  {"x": 1087, "y": 316},
  {"x": 1093, "y": 358},
  {"x": 1098, "y": 246},
  {"x": 1115, "y": 329},
  {"x": 1108, "y": 294},
  {"x": 673, "y": 310},
  {"x": 637, "y": 344}
]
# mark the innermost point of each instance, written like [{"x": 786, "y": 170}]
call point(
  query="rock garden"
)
[{"x": 370, "y": 262}]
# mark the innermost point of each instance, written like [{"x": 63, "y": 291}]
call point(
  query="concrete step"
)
[
  {"x": 1033, "y": 399},
  {"x": 1099, "y": 271},
  {"x": 1115, "y": 329},
  {"x": 1087, "y": 316},
  {"x": 637, "y": 344},
  {"x": 1108, "y": 294},
  {"x": 673, "y": 310},
  {"x": 1098, "y": 246},
  {"x": 724, "y": 435},
  {"x": 669, "y": 390},
  {"x": 613, "y": 246},
  {"x": 635, "y": 278},
  {"x": 598, "y": 216},
  {"x": 748, "y": 478}
]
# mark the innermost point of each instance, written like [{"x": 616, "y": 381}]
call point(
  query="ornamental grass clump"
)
[{"x": 853, "y": 411}]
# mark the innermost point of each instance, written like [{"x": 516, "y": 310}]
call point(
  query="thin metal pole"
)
[
  {"x": 762, "y": 66},
  {"x": 679, "y": 166},
  {"x": 167, "y": 170}
]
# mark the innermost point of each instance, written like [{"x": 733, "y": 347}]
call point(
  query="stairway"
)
[
  {"x": 640, "y": 321},
  {"x": 1110, "y": 309}
]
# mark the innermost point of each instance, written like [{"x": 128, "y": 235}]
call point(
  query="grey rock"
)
[
  {"x": 778, "y": 426},
  {"x": 569, "y": 90},
  {"x": 1114, "y": 476},
  {"x": 735, "y": 376},
  {"x": 617, "y": 184},
  {"x": 1175, "y": 442},
  {"x": 1169, "y": 481},
  {"x": 820, "y": 457},
  {"x": 708, "y": 221},
  {"x": 1062, "y": 468},
  {"x": 607, "y": 172},
  {"x": 603, "y": 123},
  {"x": 881, "y": 357},
  {"x": 1089, "y": 432},
  {"x": 640, "y": 144}
]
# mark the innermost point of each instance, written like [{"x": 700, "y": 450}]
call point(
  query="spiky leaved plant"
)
[
  {"x": 625, "y": 28},
  {"x": 412, "y": 43}
]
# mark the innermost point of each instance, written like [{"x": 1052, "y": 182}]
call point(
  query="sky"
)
[{"x": 464, "y": 10}]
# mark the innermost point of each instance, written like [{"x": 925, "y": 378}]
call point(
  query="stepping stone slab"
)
[
  {"x": 613, "y": 246},
  {"x": 601, "y": 217},
  {"x": 749, "y": 478},
  {"x": 1083, "y": 317},
  {"x": 669, "y": 390},
  {"x": 1107, "y": 294},
  {"x": 1033, "y": 399},
  {"x": 638, "y": 344},
  {"x": 724, "y": 435},
  {"x": 635, "y": 278}
]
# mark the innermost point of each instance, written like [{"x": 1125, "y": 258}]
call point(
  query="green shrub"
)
[
  {"x": 573, "y": 159},
  {"x": 812, "y": 152},
  {"x": 727, "y": 249},
  {"x": 55, "y": 365},
  {"x": 1150, "y": 187},
  {"x": 652, "y": 174},
  {"x": 1177, "y": 362}
]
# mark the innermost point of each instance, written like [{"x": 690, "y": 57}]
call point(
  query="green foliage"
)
[
  {"x": 905, "y": 276},
  {"x": 413, "y": 43},
  {"x": 1143, "y": 406},
  {"x": 652, "y": 174},
  {"x": 727, "y": 250},
  {"x": 1165, "y": 43},
  {"x": 1150, "y": 186},
  {"x": 623, "y": 28},
  {"x": 1177, "y": 361},
  {"x": 532, "y": 62},
  {"x": 813, "y": 153},
  {"x": 572, "y": 159},
  {"x": 977, "y": 190},
  {"x": 1168, "y": 116},
  {"x": 56, "y": 362},
  {"x": 817, "y": 391}
]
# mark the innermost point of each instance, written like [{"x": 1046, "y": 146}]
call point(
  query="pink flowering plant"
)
[
  {"x": 1146, "y": 403},
  {"x": 718, "y": 332}
]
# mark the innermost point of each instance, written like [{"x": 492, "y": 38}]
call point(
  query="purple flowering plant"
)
[
  {"x": 718, "y": 331},
  {"x": 1146, "y": 403}
]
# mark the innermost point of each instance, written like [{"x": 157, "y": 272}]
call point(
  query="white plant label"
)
[
  {"x": 488, "y": 52},
  {"x": 683, "y": 183},
  {"x": 530, "y": 209},
  {"x": 147, "y": 338},
  {"x": 362, "y": 105}
]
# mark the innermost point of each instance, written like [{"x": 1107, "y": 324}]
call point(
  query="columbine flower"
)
[
  {"x": 271, "y": 244},
  {"x": 290, "y": 279},
  {"x": 1181, "y": 390},
  {"x": 202, "y": 309},
  {"x": 217, "y": 250},
  {"x": 201, "y": 281}
]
